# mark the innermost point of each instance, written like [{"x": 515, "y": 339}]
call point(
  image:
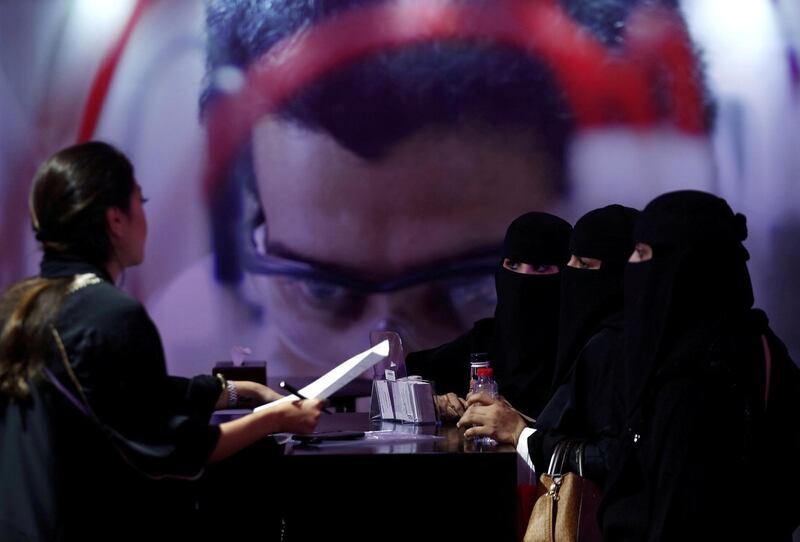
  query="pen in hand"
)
[{"x": 294, "y": 391}]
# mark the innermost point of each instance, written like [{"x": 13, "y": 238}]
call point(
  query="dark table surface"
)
[
  {"x": 412, "y": 488},
  {"x": 386, "y": 437}
]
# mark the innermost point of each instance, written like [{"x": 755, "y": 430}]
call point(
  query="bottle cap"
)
[{"x": 478, "y": 357}]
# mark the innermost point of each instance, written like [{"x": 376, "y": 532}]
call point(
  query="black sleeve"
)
[
  {"x": 583, "y": 409},
  {"x": 448, "y": 365},
  {"x": 779, "y": 437},
  {"x": 543, "y": 441},
  {"x": 678, "y": 483},
  {"x": 160, "y": 424},
  {"x": 694, "y": 469},
  {"x": 199, "y": 394}
]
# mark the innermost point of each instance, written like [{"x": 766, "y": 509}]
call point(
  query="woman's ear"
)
[{"x": 114, "y": 222}]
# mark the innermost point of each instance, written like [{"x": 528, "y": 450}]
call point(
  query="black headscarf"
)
[
  {"x": 695, "y": 285},
  {"x": 524, "y": 341},
  {"x": 590, "y": 296}
]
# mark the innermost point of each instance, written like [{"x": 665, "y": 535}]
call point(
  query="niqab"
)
[
  {"x": 524, "y": 341},
  {"x": 695, "y": 285},
  {"x": 590, "y": 296}
]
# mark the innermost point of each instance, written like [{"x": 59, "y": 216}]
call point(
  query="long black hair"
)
[{"x": 68, "y": 201}]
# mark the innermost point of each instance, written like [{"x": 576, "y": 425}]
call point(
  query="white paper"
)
[
  {"x": 384, "y": 399},
  {"x": 407, "y": 397},
  {"x": 424, "y": 408},
  {"x": 413, "y": 401},
  {"x": 339, "y": 376}
]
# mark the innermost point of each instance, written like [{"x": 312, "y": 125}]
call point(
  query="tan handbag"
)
[{"x": 566, "y": 509}]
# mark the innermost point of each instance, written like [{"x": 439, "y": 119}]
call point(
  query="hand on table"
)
[
  {"x": 492, "y": 417},
  {"x": 450, "y": 406}
]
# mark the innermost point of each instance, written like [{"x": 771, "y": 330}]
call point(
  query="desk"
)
[{"x": 439, "y": 490}]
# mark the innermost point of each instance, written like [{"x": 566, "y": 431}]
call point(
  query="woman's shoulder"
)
[{"x": 103, "y": 305}]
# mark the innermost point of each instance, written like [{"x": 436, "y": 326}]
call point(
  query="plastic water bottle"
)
[
  {"x": 477, "y": 360},
  {"x": 485, "y": 384}
]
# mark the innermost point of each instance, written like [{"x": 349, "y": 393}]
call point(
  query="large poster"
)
[{"x": 318, "y": 170}]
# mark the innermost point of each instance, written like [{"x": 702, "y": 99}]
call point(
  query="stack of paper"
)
[{"x": 408, "y": 400}]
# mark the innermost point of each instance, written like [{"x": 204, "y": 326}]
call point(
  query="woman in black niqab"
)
[
  {"x": 710, "y": 391},
  {"x": 521, "y": 339},
  {"x": 591, "y": 296},
  {"x": 584, "y": 405},
  {"x": 525, "y": 333},
  {"x": 694, "y": 287}
]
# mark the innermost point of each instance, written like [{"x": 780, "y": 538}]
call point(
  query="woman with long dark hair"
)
[{"x": 94, "y": 435}]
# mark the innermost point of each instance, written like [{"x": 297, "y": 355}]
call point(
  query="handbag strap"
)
[
  {"x": 81, "y": 404},
  {"x": 767, "y": 369},
  {"x": 66, "y": 393},
  {"x": 560, "y": 454},
  {"x": 556, "y": 458},
  {"x": 580, "y": 447}
]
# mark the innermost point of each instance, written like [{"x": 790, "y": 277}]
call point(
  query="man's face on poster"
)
[{"x": 442, "y": 196}]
